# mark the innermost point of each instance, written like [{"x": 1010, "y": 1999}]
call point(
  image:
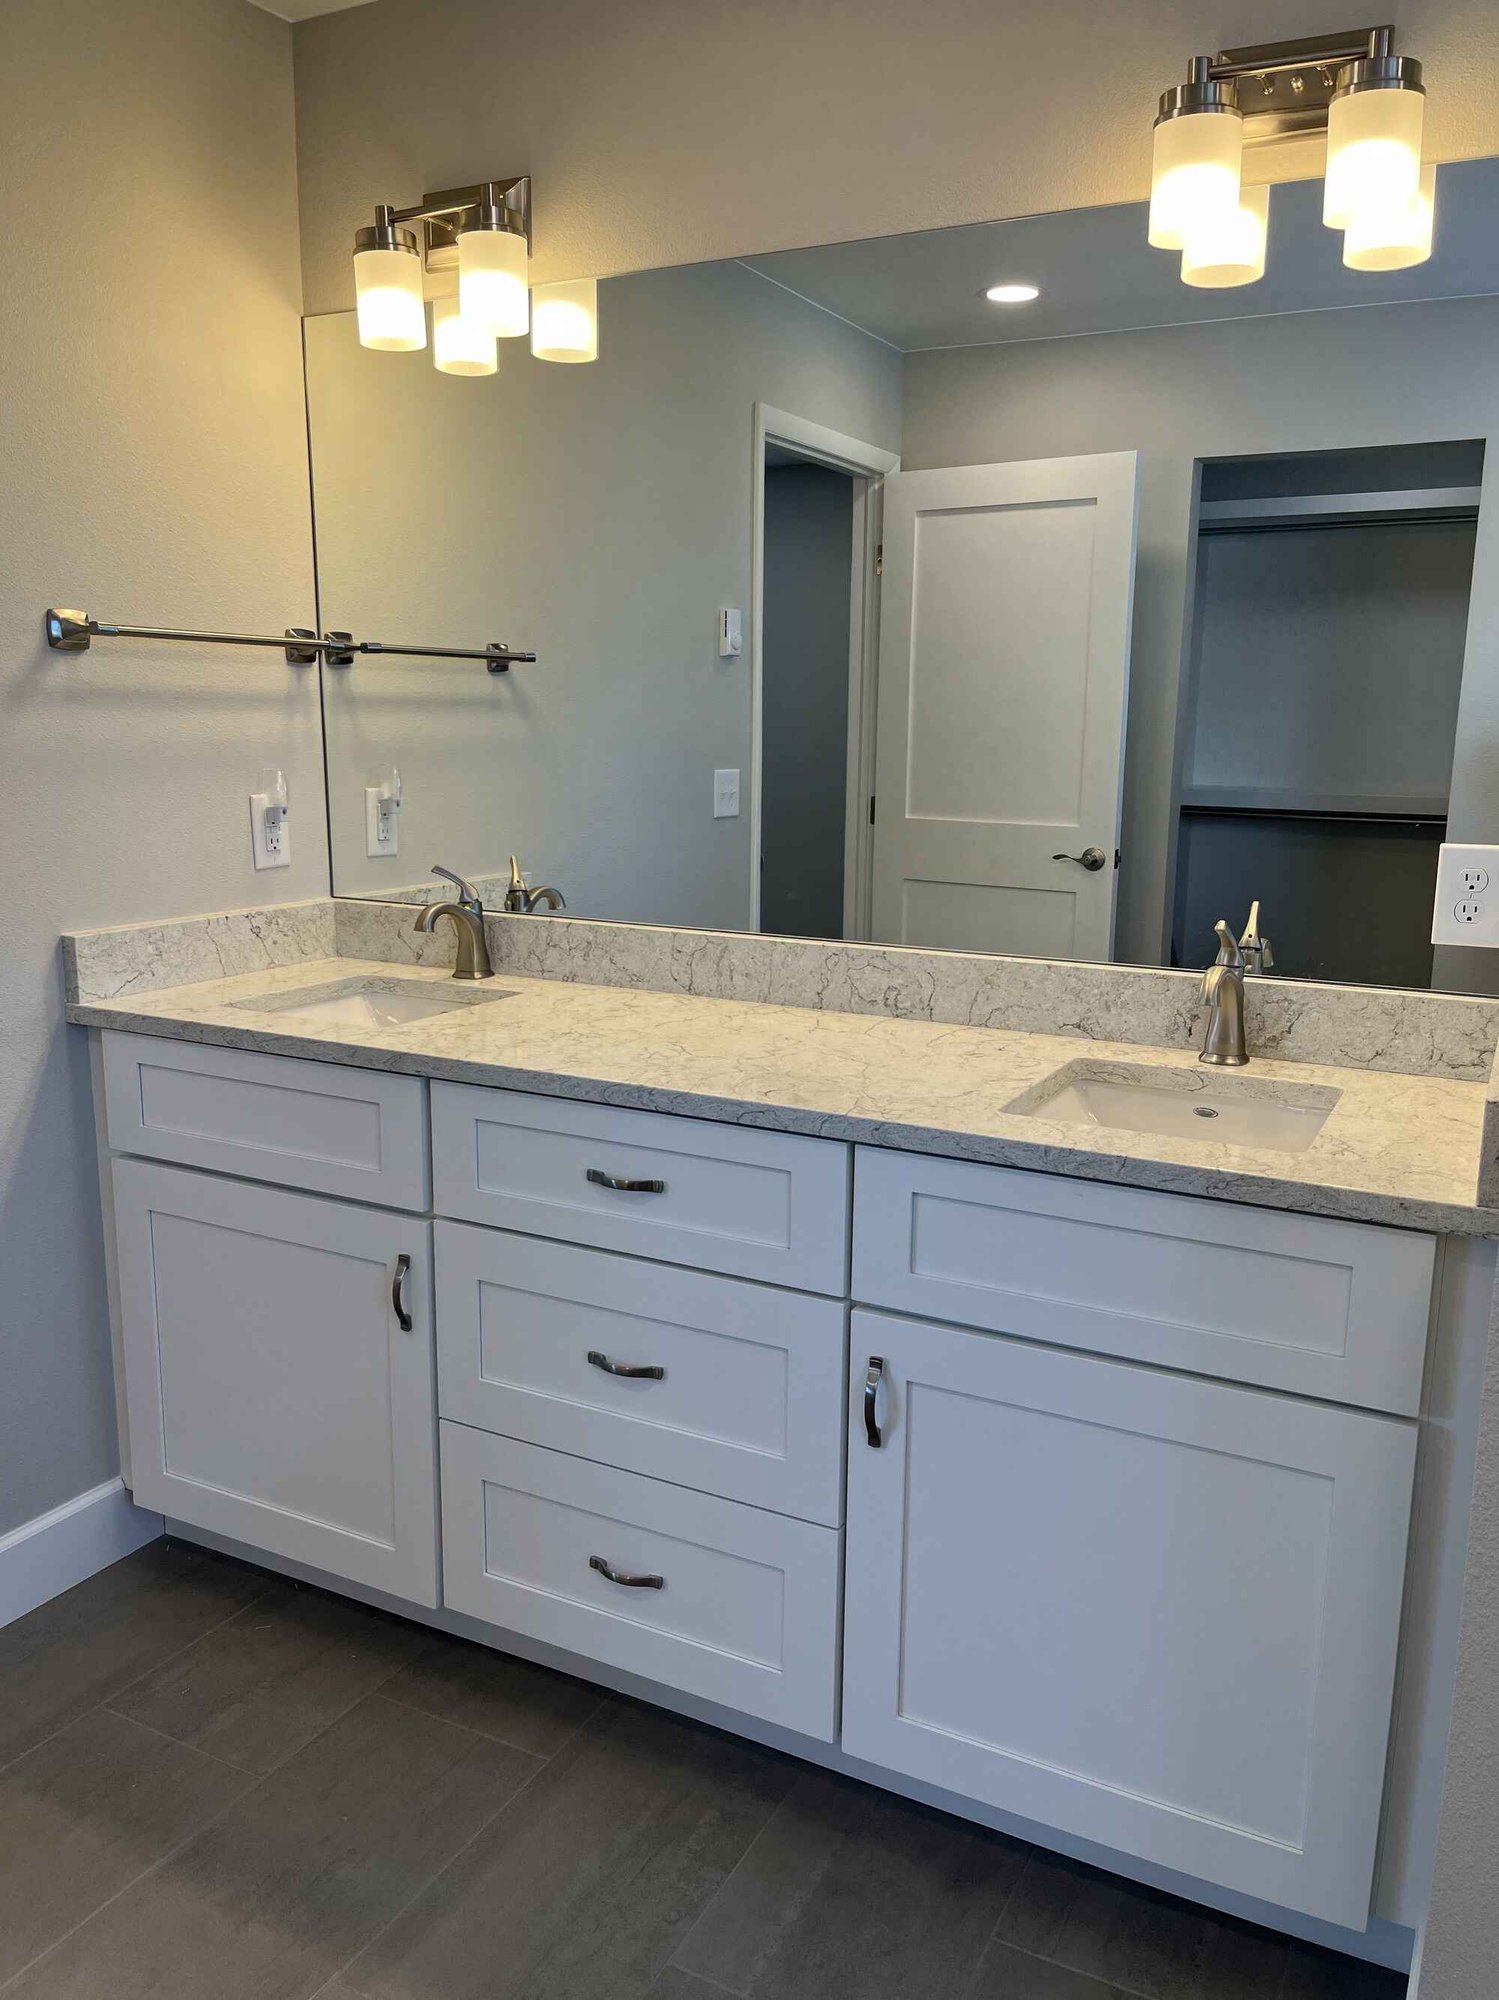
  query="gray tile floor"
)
[{"x": 215, "y": 1785}]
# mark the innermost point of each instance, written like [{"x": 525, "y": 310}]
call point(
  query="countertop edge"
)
[{"x": 1166, "y": 1177}]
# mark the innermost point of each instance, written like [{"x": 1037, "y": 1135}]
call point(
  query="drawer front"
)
[
  {"x": 1337, "y": 1310},
  {"x": 299, "y": 1124},
  {"x": 747, "y": 1400},
  {"x": 746, "y": 1613},
  {"x": 766, "y": 1205}
]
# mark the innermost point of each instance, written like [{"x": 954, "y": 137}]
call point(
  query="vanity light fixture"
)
[
  {"x": 1368, "y": 100},
  {"x": 1012, "y": 295},
  {"x": 472, "y": 259}
]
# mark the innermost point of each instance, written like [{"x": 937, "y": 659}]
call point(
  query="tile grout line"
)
[
  {"x": 543, "y": 1764},
  {"x": 104, "y": 1700},
  {"x": 722, "y": 1889},
  {"x": 483, "y": 1735}
]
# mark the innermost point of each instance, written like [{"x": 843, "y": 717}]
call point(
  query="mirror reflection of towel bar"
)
[{"x": 75, "y": 631}]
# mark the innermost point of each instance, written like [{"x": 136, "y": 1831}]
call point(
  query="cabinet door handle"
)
[
  {"x": 398, "y": 1293},
  {"x": 872, "y": 1379},
  {"x": 629, "y": 1579},
  {"x": 632, "y": 1371},
  {"x": 620, "y": 1186}
]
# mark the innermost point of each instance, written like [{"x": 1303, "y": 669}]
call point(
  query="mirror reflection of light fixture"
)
[
  {"x": 388, "y": 287},
  {"x": 475, "y": 243},
  {"x": 1229, "y": 249},
  {"x": 565, "y": 321},
  {"x": 1195, "y": 157},
  {"x": 1368, "y": 100},
  {"x": 458, "y": 346}
]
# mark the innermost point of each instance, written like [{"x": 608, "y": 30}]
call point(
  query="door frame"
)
[{"x": 867, "y": 465}]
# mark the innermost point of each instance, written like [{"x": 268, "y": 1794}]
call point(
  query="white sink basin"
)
[
  {"x": 371, "y": 1004},
  {"x": 1183, "y": 1104}
]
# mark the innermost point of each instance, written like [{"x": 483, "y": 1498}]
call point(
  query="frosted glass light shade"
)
[
  {"x": 1393, "y": 236},
  {"x": 459, "y": 348},
  {"x": 494, "y": 282},
  {"x": 565, "y": 321},
  {"x": 1373, "y": 154},
  {"x": 1194, "y": 174},
  {"x": 388, "y": 296},
  {"x": 1229, "y": 249}
]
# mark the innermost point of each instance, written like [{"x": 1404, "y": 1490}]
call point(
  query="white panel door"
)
[
  {"x": 1004, "y": 669},
  {"x": 1158, "y": 1613},
  {"x": 274, "y": 1394}
]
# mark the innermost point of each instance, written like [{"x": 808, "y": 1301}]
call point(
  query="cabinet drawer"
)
[
  {"x": 273, "y": 1118},
  {"x": 748, "y": 1402},
  {"x": 766, "y": 1205},
  {"x": 1337, "y": 1310},
  {"x": 747, "y": 1610}
]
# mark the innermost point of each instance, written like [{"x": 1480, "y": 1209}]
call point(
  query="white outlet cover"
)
[
  {"x": 269, "y": 850},
  {"x": 382, "y": 831},
  {"x": 1467, "y": 898}
]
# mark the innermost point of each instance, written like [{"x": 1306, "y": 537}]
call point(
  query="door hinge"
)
[
  {"x": 879, "y": 558},
  {"x": 871, "y": 808}
]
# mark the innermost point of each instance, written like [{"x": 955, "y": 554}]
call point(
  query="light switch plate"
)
[
  {"x": 1467, "y": 898},
  {"x": 726, "y": 795}
]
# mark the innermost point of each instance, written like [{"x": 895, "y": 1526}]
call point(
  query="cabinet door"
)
[
  {"x": 273, "y": 1393},
  {"x": 1155, "y": 1612}
]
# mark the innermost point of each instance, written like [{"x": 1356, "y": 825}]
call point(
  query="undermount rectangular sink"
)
[
  {"x": 1182, "y": 1104},
  {"x": 371, "y": 1004}
]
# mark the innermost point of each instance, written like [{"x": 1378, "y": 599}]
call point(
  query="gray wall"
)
[
  {"x": 1295, "y": 383},
  {"x": 809, "y": 517},
  {"x": 666, "y": 130},
  {"x": 151, "y": 468},
  {"x": 599, "y": 516}
]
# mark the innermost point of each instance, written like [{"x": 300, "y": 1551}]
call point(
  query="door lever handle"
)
[{"x": 1091, "y": 858}]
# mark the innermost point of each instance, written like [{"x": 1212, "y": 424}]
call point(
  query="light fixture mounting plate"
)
[
  {"x": 441, "y": 231},
  {"x": 1285, "y": 88}
]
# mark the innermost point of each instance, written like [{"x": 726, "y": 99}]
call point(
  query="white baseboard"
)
[{"x": 42, "y": 1558}]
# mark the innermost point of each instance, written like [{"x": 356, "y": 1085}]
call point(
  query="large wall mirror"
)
[{"x": 1068, "y": 626}]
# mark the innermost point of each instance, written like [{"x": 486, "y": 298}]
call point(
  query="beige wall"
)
[
  {"x": 667, "y": 131},
  {"x": 152, "y": 469}
]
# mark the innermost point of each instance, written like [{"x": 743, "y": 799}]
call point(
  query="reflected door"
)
[{"x": 1004, "y": 669}]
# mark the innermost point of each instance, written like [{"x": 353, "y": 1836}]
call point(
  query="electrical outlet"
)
[
  {"x": 270, "y": 832},
  {"x": 382, "y": 822},
  {"x": 1467, "y": 904},
  {"x": 726, "y": 795}
]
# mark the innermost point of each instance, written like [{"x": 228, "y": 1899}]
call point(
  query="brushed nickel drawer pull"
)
[
  {"x": 631, "y": 1580},
  {"x": 600, "y": 1179},
  {"x": 632, "y": 1371}
]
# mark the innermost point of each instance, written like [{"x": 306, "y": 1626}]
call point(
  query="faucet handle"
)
[
  {"x": 1229, "y": 952},
  {"x": 1256, "y": 949},
  {"x": 468, "y": 895}
]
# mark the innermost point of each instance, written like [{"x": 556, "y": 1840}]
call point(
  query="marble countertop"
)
[{"x": 1395, "y": 1149}]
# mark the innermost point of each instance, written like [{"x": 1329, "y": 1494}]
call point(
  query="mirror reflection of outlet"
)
[
  {"x": 1467, "y": 905},
  {"x": 382, "y": 822}
]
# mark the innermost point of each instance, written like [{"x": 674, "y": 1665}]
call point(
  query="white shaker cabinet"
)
[
  {"x": 274, "y": 1393},
  {"x": 1156, "y": 1612}
]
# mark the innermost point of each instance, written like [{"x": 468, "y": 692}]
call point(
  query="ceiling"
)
[
  {"x": 1098, "y": 275},
  {"x": 303, "y": 10}
]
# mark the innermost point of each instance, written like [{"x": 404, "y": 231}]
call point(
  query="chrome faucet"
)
[
  {"x": 466, "y": 914},
  {"x": 1223, "y": 993},
  {"x": 521, "y": 901}
]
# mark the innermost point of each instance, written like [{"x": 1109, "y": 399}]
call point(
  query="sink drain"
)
[{"x": 1203, "y": 1111}]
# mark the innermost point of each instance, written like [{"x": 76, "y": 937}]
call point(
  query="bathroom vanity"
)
[{"x": 698, "y": 1347}]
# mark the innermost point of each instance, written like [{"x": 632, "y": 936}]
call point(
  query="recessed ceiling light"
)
[{"x": 1012, "y": 295}]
